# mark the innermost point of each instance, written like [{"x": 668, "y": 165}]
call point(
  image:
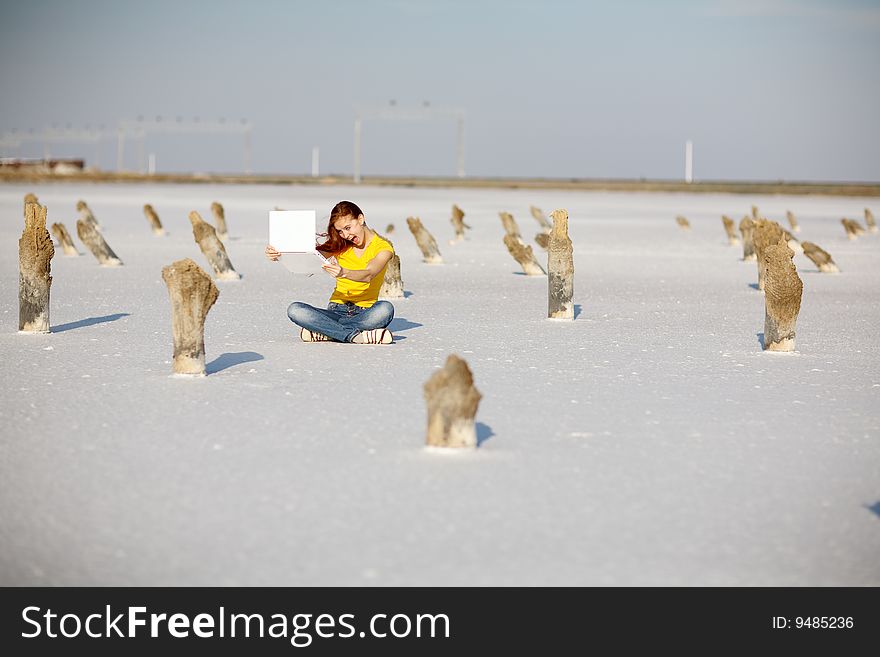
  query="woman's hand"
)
[
  {"x": 272, "y": 254},
  {"x": 333, "y": 269}
]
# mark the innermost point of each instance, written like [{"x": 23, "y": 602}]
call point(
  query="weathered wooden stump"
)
[
  {"x": 560, "y": 269},
  {"x": 755, "y": 213},
  {"x": 389, "y": 229},
  {"x": 510, "y": 226},
  {"x": 820, "y": 257},
  {"x": 212, "y": 247},
  {"x": 392, "y": 284},
  {"x": 426, "y": 241},
  {"x": 35, "y": 251},
  {"x": 153, "y": 218},
  {"x": 792, "y": 221},
  {"x": 523, "y": 254},
  {"x": 782, "y": 296},
  {"x": 683, "y": 223},
  {"x": 90, "y": 236},
  {"x": 458, "y": 224},
  {"x": 452, "y": 405},
  {"x": 192, "y": 293},
  {"x": 543, "y": 240},
  {"x": 220, "y": 218},
  {"x": 730, "y": 229},
  {"x": 869, "y": 221},
  {"x": 546, "y": 226},
  {"x": 747, "y": 230},
  {"x": 853, "y": 228},
  {"x": 30, "y": 197},
  {"x": 86, "y": 215},
  {"x": 766, "y": 233},
  {"x": 59, "y": 232}
]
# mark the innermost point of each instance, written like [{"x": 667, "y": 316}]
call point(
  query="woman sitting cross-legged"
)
[{"x": 354, "y": 313}]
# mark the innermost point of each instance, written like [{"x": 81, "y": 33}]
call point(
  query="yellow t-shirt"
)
[{"x": 357, "y": 292}]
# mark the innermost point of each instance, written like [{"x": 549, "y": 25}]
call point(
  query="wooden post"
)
[
  {"x": 543, "y": 240},
  {"x": 766, "y": 233},
  {"x": 458, "y": 224},
  {"x": 85, "y": 214},
  {"x": 389, "y": 229},
  {"x": 60, "y": 233},
  {"x": 730, "y": 229},
  {"x": 755, "y": 213},
  {"x": 792, "y": 221},
  {"x": 523, "y": 254},
  {"x": 452, "y": 405},
  {"x": 192, "y": 293},
  {"x": 90, "y": 235},
  {"x": 212, "y": 247},
  {"x": 426, "y": 241},
  {"x": 540, "y": 218},
  {"x": 820, "y": 257},
  {"x": 392, "y": 284},
  {"x": 35, "y": 251},
  {"x": 510, "y": 226},
  {"x": 153, "y": 218},
  {"x": 30, "y": 198},
  {"x": 560, "y": 268},
  {"x": 683, "y": 223},
  {"x": 853, "y": 228},
  {"x": 869, "y": 221},
  {"x": 747, "y": 229},
  {"x": 220, "y": 217},
  {"x": 782, "y": 296}
]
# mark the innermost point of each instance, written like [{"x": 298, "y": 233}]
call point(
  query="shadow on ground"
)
[
  {"x": 87, "y": 322},
  {"x": 227, "y": 360}
]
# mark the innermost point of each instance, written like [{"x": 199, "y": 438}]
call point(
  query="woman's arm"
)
[{"x": 372, "y": 270}]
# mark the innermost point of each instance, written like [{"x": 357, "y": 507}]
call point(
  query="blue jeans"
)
[{"x": 341, "y": 321}]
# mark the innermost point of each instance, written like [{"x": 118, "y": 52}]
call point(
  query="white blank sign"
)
[{"x": 293, "y": 231}]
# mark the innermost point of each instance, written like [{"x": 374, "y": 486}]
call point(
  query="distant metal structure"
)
[
  {"x": 689, "y": 161},
  {"x": 129, "y": 129},
  {"x": 394, "y": 113},
  {"x": 137, "y": 130}
]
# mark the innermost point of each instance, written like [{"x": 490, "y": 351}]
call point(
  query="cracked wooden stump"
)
[
  {"x": 192, "y": 293},
  {"x": 220, "y": 218},
  {"x": 683, "y": 223},
  {"x": 869, "y": 221},
  {"x": 59, "y": 232},
  {"x": 755, "y": 213},
  {"x": 747, "y": 230},
  {"x": 820, "y": 257},
  {"x": 426, "y": 241},
  {"x": 85, "y": 214},
  {"x": 452, "y": 405},
  {"x": 730, "y": 229},
  {"x": 510, "y": 226},
  {"x": 766, "y": 233},
  {"x": 392, "y": 284},
  {"x": 212, "y": 247},
  {"x": 95, "y": 242},
  {"x": 458, "y": 224},
  {"x": 852, "y": 227},
  {"x": 389, "y": 229},
  {"x": 543, "y": 240},
  {"x": 523, "y": 254},
  {"x": 782, "y": 296},
  {"x": 30, "y": 197},
  {"x": 153, "y": 218},
  {"x": 546, "y": 226},
  {"x": 35, "y": 251},
  {"x": 792, "y": 221},
  {"x": 560, "y": 269}
]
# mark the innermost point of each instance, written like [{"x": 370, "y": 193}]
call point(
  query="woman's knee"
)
[
  {"x": 298, "y": 310},
  {"x": 383, "y": 313}
]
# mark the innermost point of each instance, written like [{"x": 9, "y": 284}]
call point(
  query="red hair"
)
[{"x": 335, "y": 244}]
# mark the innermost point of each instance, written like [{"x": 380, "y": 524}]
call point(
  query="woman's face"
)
[{"x": 351, "y": 229}]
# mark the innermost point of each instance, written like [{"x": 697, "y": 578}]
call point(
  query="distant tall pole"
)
[
  {"x": 689, "y": 161},
  {"x": 247, "y": 152},
  {"x": 357, "y": 150},
  {"x": 315, "y": 157},
  {"x": 461, "y": 147},
  {"x": 120, "y": 148}
]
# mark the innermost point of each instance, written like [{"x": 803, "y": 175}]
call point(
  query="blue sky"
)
[{"x": 766, "y": 90}]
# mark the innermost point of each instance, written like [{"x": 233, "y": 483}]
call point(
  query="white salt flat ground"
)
[{"x": 650, "y": 441}]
